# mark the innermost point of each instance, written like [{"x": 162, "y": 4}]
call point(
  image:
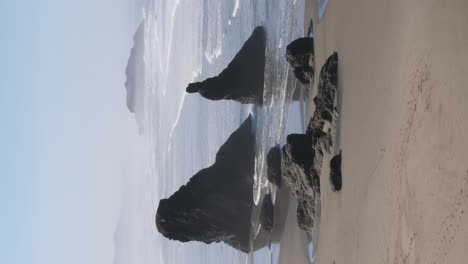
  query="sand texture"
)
[{"x": 403, "y": 129}]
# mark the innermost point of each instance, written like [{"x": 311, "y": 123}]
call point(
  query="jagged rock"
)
[
  {"x": 243, "y": 79},
  {"x": 274, "y": 165},
  {"x": 267, "y": 213},
  {"x": 135, "y": 73},
  {"x": 216, "y": 204},
  {"x": 302, "y": 156},
  {"x": 300, "y": 55},
  {"x": 322, "y": 125},
  {"x": 296, "y": 161},
  {"x": 310, "y": 30},
  {"x": 335, "y": 172}
]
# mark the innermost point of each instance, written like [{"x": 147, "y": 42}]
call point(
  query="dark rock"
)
[
  {"x": 135, "y": 73},
  {"x": 335, "y": 172},
  {"x": 310, "y": 30},
  {"x": 267, "y": 213},
  {"x": 243, "y": 79},
  {"x": 296, "y": 161},
  {"x": 216, "y": 204},
  {"x": 274, "y": 166},
  {"x": 302, "y": 156},
  {"x": 300, "y": 55},
  {"x": 322, "y": 127}
]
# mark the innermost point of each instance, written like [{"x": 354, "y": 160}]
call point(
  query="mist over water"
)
[{"x": 186, "y": 41}]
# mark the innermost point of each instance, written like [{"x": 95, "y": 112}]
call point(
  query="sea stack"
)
[
  {"x": 216, "y": 204},
  {"x": 302, "y": 156},
  {"x": 243, "y": 79},
  {"x": 135, "y": 74},
  {"x": 300, "y": 55}
]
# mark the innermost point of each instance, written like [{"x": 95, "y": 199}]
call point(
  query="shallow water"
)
[{"x": 189, "y": 41}]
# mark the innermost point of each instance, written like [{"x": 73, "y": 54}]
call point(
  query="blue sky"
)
[{"x": 65, "y": 127}]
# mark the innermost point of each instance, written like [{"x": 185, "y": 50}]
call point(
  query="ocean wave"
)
[
  {"x": 322, "y": 6},
  {"x": 236, "y": 8}
]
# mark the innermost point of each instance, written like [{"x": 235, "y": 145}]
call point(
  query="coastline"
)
[{"x": 402, "y": 103}]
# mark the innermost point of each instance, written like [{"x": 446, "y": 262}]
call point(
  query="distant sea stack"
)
[
  {"x": 300, "y": 55},
  {"x": 243, "y": 79},
  {"x": 216, "y": 204},
  {"x": 135, "y": 73},
  {"x": 302, "y": 156}
]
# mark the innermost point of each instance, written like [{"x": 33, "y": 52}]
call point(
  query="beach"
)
[{"x": 403, "y": 117}]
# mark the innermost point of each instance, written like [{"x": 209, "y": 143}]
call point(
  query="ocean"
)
[{"x": 186, "y": 41}]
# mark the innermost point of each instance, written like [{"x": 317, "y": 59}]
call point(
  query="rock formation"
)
[
  {"x": 310, "y": 30},
  {"x": 216, "y": 204},
  {"x": 323, "y": 123},
  {"x": 267, "y": 213},
  {"x": 243, "y": 78},
  {"x": 302, "y": 156},
  {"x": 296, "y": 163},
  {"x": 335, "y": 172},
  {"x": 135, "y": 73},
  {"x": 300, "y": 55},
  {"x": 274, "y": 166}
]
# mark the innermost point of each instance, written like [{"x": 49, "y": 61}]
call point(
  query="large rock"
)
[
  {"x": 300, "y": 55},
  {"x": 267, "y": 213},
  {"x": 296, "y": 163},
  {"x": 303, "y": 154},
  {"x": 335, "y": 172},
  {"x": 135, "y": 73},
  {"x": 274, "y": 165},
  {"x": 243, "y": 79},
  {"x": 323, "y": 123},
  {"x": 216, "y": 204}
]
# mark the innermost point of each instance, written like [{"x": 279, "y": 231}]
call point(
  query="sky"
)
[{"x": 66, "y": 133}]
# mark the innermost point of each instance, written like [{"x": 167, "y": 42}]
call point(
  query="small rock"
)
[{"x": 335, "y": 172}]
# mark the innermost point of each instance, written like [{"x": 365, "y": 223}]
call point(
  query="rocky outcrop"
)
[
  {"x": 303, "y": 154},
  {"x": 216, "y": 204},
  {"x": 267, "y": 213},
  {"x": 335, "y": 172},
  {"x": 274, "y": 165},
  {"x": 243, "y": 79},
  {"x": 300, "y": 55},
  {"x": 135, "y": 73},
  {"x": 323, "y": 123},
  {"x": 296, "y": 163}
]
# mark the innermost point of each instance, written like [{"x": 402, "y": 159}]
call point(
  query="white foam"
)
[
  {"x": 236, "y": 8},
  {"x": 214, "y": 54},
  {"x": 171, "y": 32},
  {"x": 322, "y": 6},
  {"x": 195, "y": 75}
]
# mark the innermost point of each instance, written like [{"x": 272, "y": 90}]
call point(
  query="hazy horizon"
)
[{"x": 82, "y": 174}]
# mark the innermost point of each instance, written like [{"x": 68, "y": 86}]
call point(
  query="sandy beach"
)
[{"x": 403, "y": 92}]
